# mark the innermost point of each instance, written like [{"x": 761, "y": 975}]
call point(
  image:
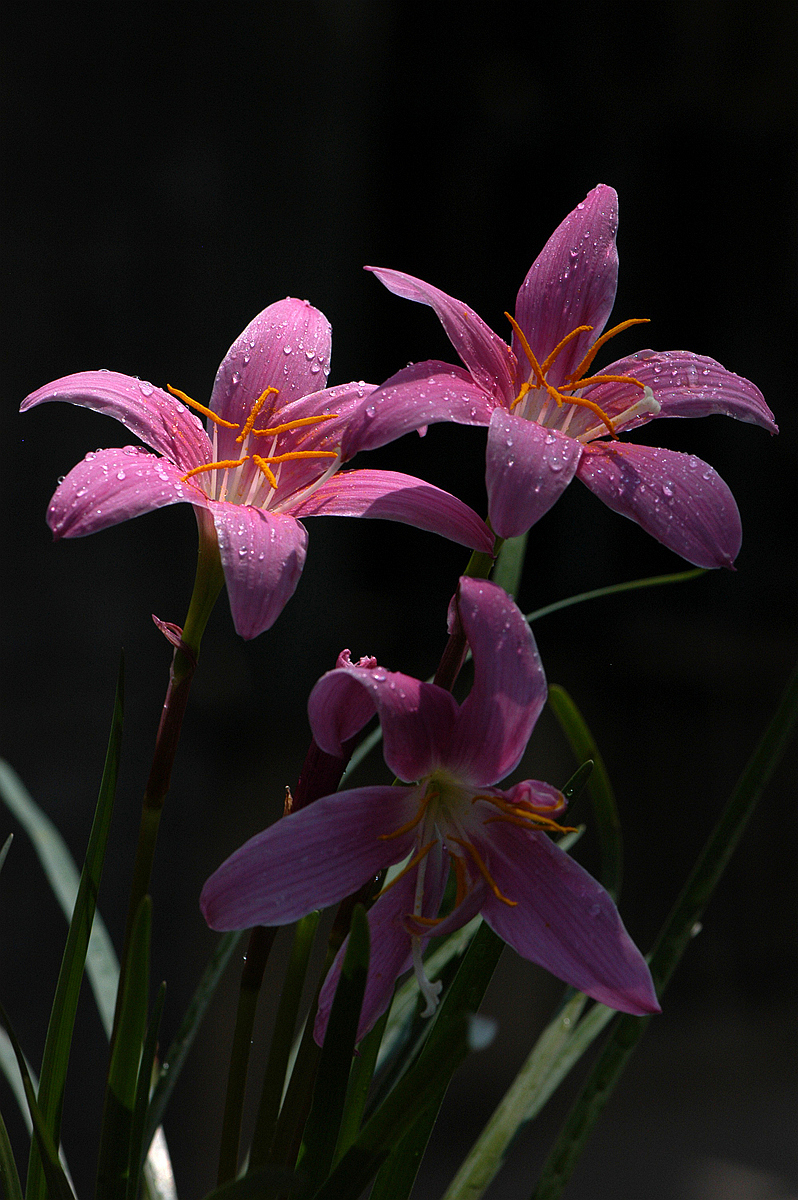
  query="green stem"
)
[
  {"x": 208, "y": 582},
  {"x": 479, "y": 566}
]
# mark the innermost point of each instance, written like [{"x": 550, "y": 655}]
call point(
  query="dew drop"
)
[{"x": 286, "y": 349}]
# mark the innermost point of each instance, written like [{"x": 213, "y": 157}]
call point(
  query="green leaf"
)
[
  {"x": 671, "y": 943},
  {"x": 57, "y": 1183},
  {"x": 282, "y": 1037},
  {"x": 6, "y": 848},
  {"x": 464, "y": 995},
  {"x": 602, "y": 795},
  {"x": 120, "y": 1095},
  {"x": 375, "y": 737},
  {"x": 416, "y": 1094},
  {"x": 59, "y": 867},
  {"x": 146, "y": 1067},
  {"x": 260, "y": 1184},
  {"x": 510, "y": 564},
  {"x": 177, "y": 1053},
  {"x": 332, "y": 1078},
  {"x": 55, "y": 1059},
  {"x": 10, "y": 1186},
  {"x": 615, "y": 589}
]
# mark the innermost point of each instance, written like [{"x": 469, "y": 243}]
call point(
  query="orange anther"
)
[
  {"x": 483, "y": 870},
  {"x": 599, "y": 342},
  {"x": 294, "y": 425},
  {"x": 253, "y": 413},
  {"x": 214, "y": 466}
]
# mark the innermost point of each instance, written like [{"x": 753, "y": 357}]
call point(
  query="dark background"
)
[{"x": 171, "y": 172}]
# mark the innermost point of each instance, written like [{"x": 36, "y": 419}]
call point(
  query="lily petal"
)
[
  {"x": 528, "y": 467},
  {"x": 677, "y": 498},
  {"x": 397, "y": 497},
  {"x": 496, "y": 719},
  {"x": 419, "y": 395},
  {"x": 572, "y": 282},
  {"x": 287, "y": 346},
  {"x": 310, "y": 859},
  {"x": 160, "y": 420},
  {"x": 110, "y": 486},
  {"x": 563, "y": 920},
  {"x": 489, "y": 359},
  {"x": 262, "y": 555},
  {"x": 416, "y": 718},
  {"x": 685, "y": 385},
  {"x": 391, "y": 946}
]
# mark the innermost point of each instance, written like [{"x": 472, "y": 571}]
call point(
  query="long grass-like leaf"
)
[
  {"x": 146, "y": 1067},
  {"x": 671, "y": 943},
  {"x": 177, "y": 1053},
  {"x": 332, "y": 1077},
  {"x": 59, "y": 867},
  {"x": 280, "y": 1050},
  {"x": 464, "y": 995},
  {"x": 120, "y": 1094},
  {"x": 10, "y": 1186},
  {"x": 375, "y": 737},
  {"x": 57, "y": 1183},
  {"x": 602, "y": 796},
  {"x": 57, "y": 1046}
]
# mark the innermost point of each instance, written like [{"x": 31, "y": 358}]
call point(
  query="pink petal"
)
[
  {"x": 160, "y": 420},
  {"x": 677, "y": 498},
  {"x": 495, "y": 721},
  {"x": 563, "y": 919},
  {"x": 685, "y": 385},
  {"x": 417, "y": 718},
  {"x": 572, "y": 282},
  {"x": 390, "y": 946},
  {"x": 262, "y": 555},
  {"x": 528, "y": 467},
  {"x": 396, "y": 497},
  {"x": 488, "y": 358},
  {"x": 286, "y": 346},
  {"x": 111, "y": 486},
  {"x": 419, "y": 395},
  {"x": 310, "y": 859}
]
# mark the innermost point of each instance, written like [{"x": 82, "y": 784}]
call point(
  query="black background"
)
[{"x": 169, "y": 173}]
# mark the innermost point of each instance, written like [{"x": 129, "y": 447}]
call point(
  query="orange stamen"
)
[
  {"x": 278, "y": 458},
  {"x": 605, "y": 337},
  {"x": 294, "y": 424},
  {"x": 462, "y": 882},
  {"x": 483, "y": 870},
  {"x": 549, "y": 359},
  {"x": 263, "y": 466},
  {"x": 215, "y": 466},
  {"x": 533, "y": 362},
  {"x": 422, "y": 808},
  {"x": 522, "y": 816},
  {"x": 605, "y": 379},
  {"x": 206, "y": 412},
  {"x": 414, "y": 861},
  {"x": 253, "y": 415}
]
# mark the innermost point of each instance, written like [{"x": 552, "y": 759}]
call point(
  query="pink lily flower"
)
[
  {"x": 270, "y": 456},
  {"x": 551, "y": 417},
  {"x": 448, "y": 814}
]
